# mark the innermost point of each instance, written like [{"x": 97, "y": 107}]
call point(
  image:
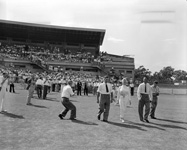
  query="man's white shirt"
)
[
  {"x": 67, "y": 91},
  {"x": 141, "y": 89},
  {"x": 102, "y": 88}
]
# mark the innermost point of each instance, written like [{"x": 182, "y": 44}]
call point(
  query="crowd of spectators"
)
[{"x": 45, "y": 54}]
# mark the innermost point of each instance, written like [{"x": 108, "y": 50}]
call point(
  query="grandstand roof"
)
[{"x": 50, "y": 33}]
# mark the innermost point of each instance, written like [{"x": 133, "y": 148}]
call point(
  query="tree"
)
[
  {"x": 180, "y": 75},
  {"x": 141, "y": 72},
  {"x": 166, "y": 73}
]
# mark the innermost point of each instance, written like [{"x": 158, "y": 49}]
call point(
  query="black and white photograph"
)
[{"x": 93, "y": 75}]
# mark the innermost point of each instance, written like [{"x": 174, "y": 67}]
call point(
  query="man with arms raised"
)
[{"x": 67, "y": 92}]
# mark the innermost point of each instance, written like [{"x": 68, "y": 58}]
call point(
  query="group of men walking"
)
[{"x": 146, "y": 94}]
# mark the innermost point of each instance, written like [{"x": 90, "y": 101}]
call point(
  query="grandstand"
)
[{"x": 41, "y": 47}]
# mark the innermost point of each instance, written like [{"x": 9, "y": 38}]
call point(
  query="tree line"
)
[{"x": 167, "y": 75}]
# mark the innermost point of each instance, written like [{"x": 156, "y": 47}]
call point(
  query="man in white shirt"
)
[
  {"x": 144, "y": 95},
  {"x": 11, "y": 82},
  {"x": 39, "y": 87},
  {"x": 104, "y": 98},
  {"x": 67, "y": 92},
  {"x": 46, "y": 85},
  {"x": 155, "y": 92},
  {"x": 3, "y": 85}
]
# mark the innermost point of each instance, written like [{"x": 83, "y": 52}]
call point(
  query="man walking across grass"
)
[
  {"x": 144, "y": 95},
  {"x": 104, "y": 98},
  {"x": 155, "y": 94}
]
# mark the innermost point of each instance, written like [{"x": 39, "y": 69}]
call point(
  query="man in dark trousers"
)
[
  {"x": 104, "y": 98},
  {"x": 86, "y": 88},
  {"x": 46, "y": 85},
  {"x": 79, "y": 87},
  {"x": 11, "y": 81},
  {"x": 155, "y": 92},
  {"x": 67, "y": 92},
  {"x": 39, "y": 87},
  {"x": 144, "y": 94}
]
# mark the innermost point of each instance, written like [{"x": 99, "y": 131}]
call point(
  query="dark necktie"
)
[
  {"x": 145, "y": 88},
  {"x": 106, "y": 88}
]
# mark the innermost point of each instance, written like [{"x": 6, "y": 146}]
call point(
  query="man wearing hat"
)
[
  {"x": 104, "y": 98},
  {"x": 155, "y": 93}
]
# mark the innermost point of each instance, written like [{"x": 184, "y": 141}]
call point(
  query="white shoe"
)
[{"x": 122, "y": 120}]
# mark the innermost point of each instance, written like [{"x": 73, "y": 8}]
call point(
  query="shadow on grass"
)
[
  {"x": 169, "y": 126},
  {"x": 84, "y": 122},
  {"x": 126, "y": 125},
  {"x": 51, "y": 99},
  {"x": 172, "y": 121},
  {"x": 39, "y": 106},
  {"x": 73, "y": 100},
  {"x": 145, "y": 125},
  {"x": 12, "y": 115},
  {"x": 48, "y": 99}
]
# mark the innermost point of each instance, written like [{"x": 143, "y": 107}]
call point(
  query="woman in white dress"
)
[{"x": 123, "y": 97}]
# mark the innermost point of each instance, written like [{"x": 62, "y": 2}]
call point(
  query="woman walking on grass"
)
[{"x": 123, "y": 97}]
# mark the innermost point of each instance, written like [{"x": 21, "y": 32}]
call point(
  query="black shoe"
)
[
  {"x": 142, "y": 120},
  {"x": 60, "y": 116},
  {"x": 153, "y": 117},
  {"x": 72, "y": 118},
  {"x": 146, "y": 120},
  {"x": 105, "y": 120},
  {"x": 98, "y": 117}
]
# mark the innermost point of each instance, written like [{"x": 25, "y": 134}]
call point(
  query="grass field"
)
[{"x": 38, "y": 126}]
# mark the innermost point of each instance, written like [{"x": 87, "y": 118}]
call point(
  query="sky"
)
[{"x": 153, "y": 32}]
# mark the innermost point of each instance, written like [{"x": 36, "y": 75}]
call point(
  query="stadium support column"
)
[
  {"x": 81, "y": 46},
  {"x": 97, "y": 50}
]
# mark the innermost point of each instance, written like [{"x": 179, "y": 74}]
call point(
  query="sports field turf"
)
[{"x": 38, "y": 127}]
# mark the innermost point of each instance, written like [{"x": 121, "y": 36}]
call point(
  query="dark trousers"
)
[
  {"x": 86, "y": 91},
  {"x": 53, "y": 87},
  {"x": 132, "y": 91},
  {"x": 104, "y": 105},
  {"x": 45, "y": 91},
  {"x": 39, "y": 90},
  {"x": 144, "y": 101},
  {"x": 153, "y": 106},
  {"x": 68, "y": 106},
  {"x": 78, "y": 91},
  {"x": 12, "y": 88}
]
